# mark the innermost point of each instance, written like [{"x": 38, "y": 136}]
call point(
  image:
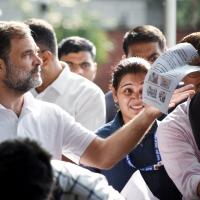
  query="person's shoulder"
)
[
  {"x": 180, "y": 112},
  {"x": 83, "y": 83},
  {"x": 80, "y": 183},
  {"x": 176, "y": 123},
  {"x": 70, "y": 174},
  {"x": 47, "y": 105},
  {"x": 109, "y": 99},
  {"x": 105, "y": 130},
  {"x": 110, "y": 127},
  {"x": 69, "y": 168},
  {"x": 46, "y": 108},
  {"x": 108, "y": 95}
]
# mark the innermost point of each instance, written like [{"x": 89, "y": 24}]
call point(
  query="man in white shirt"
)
[
  {"x": 23, "y": 116},
  {"x": 83, "y": 99}
]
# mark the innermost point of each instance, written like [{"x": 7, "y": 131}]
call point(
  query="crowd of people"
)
[{"x": 51, "y": 110}]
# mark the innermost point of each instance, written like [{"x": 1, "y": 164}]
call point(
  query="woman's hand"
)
[
  {"x": 178, "y": 96},
  {"x": 181, "y": 94}
]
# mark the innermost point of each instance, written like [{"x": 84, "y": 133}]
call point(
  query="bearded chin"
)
[
  {"x": 30, "y": 85},
  {"x": 21, "y": 81},
  {"x": 23, "y": 86}
]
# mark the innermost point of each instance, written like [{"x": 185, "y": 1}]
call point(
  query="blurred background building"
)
[{"x": 104, "y": 22}]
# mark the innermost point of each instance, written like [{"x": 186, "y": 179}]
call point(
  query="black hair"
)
[
  {"x": 145, "y": 33},
  {"x": 10, "y": 30},
  {"x": 132, "y": 65},
  {"x": 76, "y": 44},
  {"x": 25, "y": 171},
  {"x": 43, "y": 34}
]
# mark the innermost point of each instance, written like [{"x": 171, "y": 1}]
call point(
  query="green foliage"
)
[
  {"x": 88, "y": 28},
  {"x": 68, "y": 22},
  {"x": 188, "y": 14}
]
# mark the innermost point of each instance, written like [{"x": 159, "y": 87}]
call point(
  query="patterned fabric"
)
[{"x": 73, "y": 182}]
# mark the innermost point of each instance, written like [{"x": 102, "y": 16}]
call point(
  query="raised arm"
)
[{"x": 105, "y": 153}]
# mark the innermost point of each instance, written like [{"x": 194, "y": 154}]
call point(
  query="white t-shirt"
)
[
  {"x": 80, "y": 97},
  {"x": 49, "y": 125}
]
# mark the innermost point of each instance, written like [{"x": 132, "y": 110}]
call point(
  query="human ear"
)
[
  {"x": 46, "y": 56},
  {"x": 2, "y": 68},
  {"x": 123, "y": 56},
  {"x": 2, "y": 65},
  {"x": 94, "y": 69},
  {"x": 114, "y": 93},
  {"x": 115, "y": 98}
]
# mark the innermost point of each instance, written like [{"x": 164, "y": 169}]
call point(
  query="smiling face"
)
[
  {"x": 81, "y": 63},
  {"x": 22, "y": 69},
  {"x": 129, "y": 95}
]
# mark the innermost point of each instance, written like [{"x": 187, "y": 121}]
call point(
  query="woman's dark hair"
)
[{"x": 126, "y": 66}]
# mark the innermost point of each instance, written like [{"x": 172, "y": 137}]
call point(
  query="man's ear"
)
[
  {"x": 2, "y": 65},
  {"x": 123, "y": 56},
  {"x": 46, "y": 56},
  {"x": 95, "y": 69}
]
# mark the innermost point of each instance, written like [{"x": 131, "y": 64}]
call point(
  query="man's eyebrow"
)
[
  {"x": 31, "y": 50},
  {"x": 85, "y": 62},
  {"x": 154, "y": 54},
  {"x": 27, "y": 51},
  {"x": 68, "y": 62}
]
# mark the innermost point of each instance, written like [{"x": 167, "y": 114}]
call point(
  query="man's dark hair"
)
[
  {"x": 76, "y": 44},
  {"x": 25, "y": 171},
  {"x": 11, "y": 30},
  {"x": 146, "y": 33},
  {"x": 43, "y": 34},
  {"x": 132, "y": 65},
  {"x": 194, "y": 39}
]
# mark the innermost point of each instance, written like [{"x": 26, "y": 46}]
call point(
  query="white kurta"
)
[
  {"x": 49, "y": 125},
  {"x": 78, "y": 96}
]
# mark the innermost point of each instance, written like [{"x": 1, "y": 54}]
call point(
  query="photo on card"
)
[
  {"x": 151, "y": 92},
  {"x": 162, "y": 96},
  {"x": 165, "y": 82},
  {"x": 153, "y": 77}
]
